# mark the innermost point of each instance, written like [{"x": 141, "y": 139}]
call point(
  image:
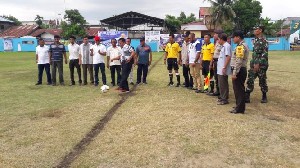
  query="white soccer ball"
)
[{"x": 104, "y": 88}]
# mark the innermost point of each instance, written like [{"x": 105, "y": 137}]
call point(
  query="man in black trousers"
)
[
  {"x": 144, "y": 56},
  {"x": 127, "y": 60},
  {"x": 239, "y": 71}
]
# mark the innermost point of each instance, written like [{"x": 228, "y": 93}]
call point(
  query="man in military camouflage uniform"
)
[
  {"x": 258, "y": 65},
  {"x": 239, "y": 71}
]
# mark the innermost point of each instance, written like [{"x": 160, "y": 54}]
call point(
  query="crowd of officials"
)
[{"x": 214, "y": 61}]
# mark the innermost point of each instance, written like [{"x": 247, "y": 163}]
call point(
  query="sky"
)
[{"x": 95, "y": 10}]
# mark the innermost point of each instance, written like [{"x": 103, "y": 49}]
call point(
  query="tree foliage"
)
[
  {"x": 174, "y": 23},
  {"x": 12, "y": 18},
  {"x": 74, "y": 24},
  {"x": 248, "y": 14},
  {"x": 39, "y": 20}
]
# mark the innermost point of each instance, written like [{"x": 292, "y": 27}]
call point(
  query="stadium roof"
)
[
  {"x": 131, "y": 19},
  {"x": 2, "y": 19}
]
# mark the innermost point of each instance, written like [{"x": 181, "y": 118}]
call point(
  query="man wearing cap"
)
[
  {"x": 75, "y": 62},
  {"x": 144, "y": 59},
  {"x": 57, "y": 52},
  {"x": 127, "y": 59},
  {"x": 258, "y": 65},
  {"x": 239, "y": 71},
  {"x": 86, "y": 60},
  {"x": 99, "y": 52},
  {"x": 114, "y": 61}
]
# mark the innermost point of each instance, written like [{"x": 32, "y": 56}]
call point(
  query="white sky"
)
[{"x": 95, "y": 10}]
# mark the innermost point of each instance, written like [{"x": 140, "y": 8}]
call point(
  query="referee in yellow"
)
[
  {"x": 207, "y": 52},
  {"x": 173, "y": 59}
]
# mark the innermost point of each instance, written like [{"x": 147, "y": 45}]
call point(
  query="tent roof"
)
[{"x": 131, "y": 19}]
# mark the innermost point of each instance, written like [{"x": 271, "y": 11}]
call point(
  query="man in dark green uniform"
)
[{"x": 258, "y": 65}]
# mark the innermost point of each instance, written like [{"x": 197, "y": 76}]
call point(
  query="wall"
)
[
  {"x": 24, "y": 44},
  {"x": 1, "y": 44}
]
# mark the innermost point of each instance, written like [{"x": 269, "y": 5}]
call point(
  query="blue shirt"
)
[
  {"x": 57, "y": 51},
  {"x": 143, "y": 54}
]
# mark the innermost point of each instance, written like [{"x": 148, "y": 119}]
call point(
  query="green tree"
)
[
  {"x": 39, "y": 20},
  {"x": 74, "y": 24},
  {"x": 248, "y": 13},
  {"x": 174, "y": 23},
  {"x": 221, "y": 12},
  {"x": 12, "y": 18}
]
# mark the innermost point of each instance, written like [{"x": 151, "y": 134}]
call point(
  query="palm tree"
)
[
  {"x": 39, "y": 20},
  {"x": 222, "y": 11}
]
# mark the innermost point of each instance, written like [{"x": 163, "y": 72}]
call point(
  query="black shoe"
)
[
  {"x": 54, "y": 84},
  {"x": 177, "y": 85},
  {"x": 236, "y": 112},
  {"x": 84, "y": 83},
  {"x": 171, "y": 84},
  {"x": 49, "y": 83},
  {"x": 138, "y": 83},
  {"x": 264, "y": 98},
  {"x": 224, "y": 102},
  {"x": 38, "y": 83},
  {"x": 205, "y": 91},
  {"x": 96, "y": 84},
  {"x": 62, "y": 84},
  {"x": 145, "y": 83},
  {"x": 131, "y": 83},
  {"x": 71, "y": 84},
  {"x": 199, "y": 91}
]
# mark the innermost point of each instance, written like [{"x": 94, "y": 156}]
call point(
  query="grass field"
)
[{"x": 156, "y": 126}]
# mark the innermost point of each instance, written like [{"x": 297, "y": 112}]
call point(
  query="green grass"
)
[{"x": 157, "y": 127}]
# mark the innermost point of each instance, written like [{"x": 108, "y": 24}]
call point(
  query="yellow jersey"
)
[
  {"x": 208, "y": 51},
  {"x": 172, "y": 50}
]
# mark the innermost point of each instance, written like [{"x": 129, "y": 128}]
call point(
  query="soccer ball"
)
[{"x": 104, "y": 88}]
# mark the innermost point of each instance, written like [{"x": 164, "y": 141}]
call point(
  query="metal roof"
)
[
  {"x": 2, "y": 19},
  {"x": 131, "y": 19}
]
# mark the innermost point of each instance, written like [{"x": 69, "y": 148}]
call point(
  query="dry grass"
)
[{"x": 157, "y": 127}]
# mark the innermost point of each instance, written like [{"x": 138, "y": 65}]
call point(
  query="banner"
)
[
  {"x": 106, "y": 36},
  {"x": 8, "y": 44},
  {"x": 152, "y": 36},
  {"x": 164, "y": 39}
]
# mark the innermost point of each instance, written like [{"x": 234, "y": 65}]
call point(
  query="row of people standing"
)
[
  {"x": 91, "y": 58},
  {"x": 218, "y": 62}
]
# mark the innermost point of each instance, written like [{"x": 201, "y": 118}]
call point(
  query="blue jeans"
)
[{"x": 96, "y": 69}]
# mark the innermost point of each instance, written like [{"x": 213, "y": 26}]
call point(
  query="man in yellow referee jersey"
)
[
  {"x": 207, "y": 57},
  {"x": 173, "y": 59}
]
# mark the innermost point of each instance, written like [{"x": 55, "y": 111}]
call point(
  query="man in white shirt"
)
[
  {"x": 74, "y": 60},
  {"x": 127, "y": 60},
  {"x": 114, "y": 61},
  {"x": 86, "y": 60},
  {"x": 99, "y": 52},
  {"x": 224, "y": 69},
  {"x": 194, "y": 59},
  {"x": 43, "y": 61}
]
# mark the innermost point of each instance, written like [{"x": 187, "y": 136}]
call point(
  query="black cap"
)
[{"x": 142, "y": 39}]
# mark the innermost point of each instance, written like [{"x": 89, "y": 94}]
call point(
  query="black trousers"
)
[
  {"x": 215, "y": 62},
  {"x": 72, "y": 65},
  {"x": 60, "y": 67},
  {"x": 85, "y": 68},
  {"x": 142, "y": 69},
  {"x": 113, "y": 70},
  {"x": 41, "y": 68},
  {"x": 239, "y": 89},
  {"x": 188, "y": 79},
  {"x": 96, "y": 69},
  {"x": 126, "y": 69}
]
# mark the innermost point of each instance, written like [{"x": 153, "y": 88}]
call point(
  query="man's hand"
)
[
  {"x": 165, "y": 61},
  {"x": 234, "y": 77},
  {"x": 256, "y": 67},
  {"x": 128, "y": 60},
  {"x": 201, "y": 66},
  {"x": 80, "y": 62},
  {"x": 224, "y": 71},
  {"x": 211, "y": 67},
  {"x": 193, "y": 65},
  {"x": 149, "y": 63},
  {"x": 36, "y": 61},
  {"x": 107, "y": 66},
  {"x": 180, "y": 62},
  {"x": 66, "y": 61}
]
